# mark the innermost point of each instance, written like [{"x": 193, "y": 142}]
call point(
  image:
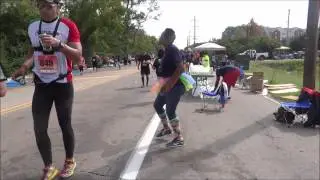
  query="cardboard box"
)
[
  {"x": 256, "y": 84},
  {"x": 259, "y": 75}
]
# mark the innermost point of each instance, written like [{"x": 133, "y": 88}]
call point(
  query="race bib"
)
[{"x": 48, "y": 64}]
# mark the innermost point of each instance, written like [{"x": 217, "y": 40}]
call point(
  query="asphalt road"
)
[{"x": 111, "y": 112}]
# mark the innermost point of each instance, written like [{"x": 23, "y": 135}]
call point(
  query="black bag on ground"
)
[
  {"x": 314, "y": 112},
  {"x": 284, "y": 116}
]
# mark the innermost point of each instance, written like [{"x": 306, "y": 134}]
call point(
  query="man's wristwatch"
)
[{"x": 61, "y": 45}]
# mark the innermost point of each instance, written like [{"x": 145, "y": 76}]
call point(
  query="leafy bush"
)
[{"x": 287, "y": 65}]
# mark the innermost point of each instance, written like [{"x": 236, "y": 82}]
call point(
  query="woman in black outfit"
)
[{"x": 171, "y": 67}]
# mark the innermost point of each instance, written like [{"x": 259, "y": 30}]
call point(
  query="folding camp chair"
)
[
  {"x": 213, "y": 96},
  {"x": 216, "y": 97},
  {"x": 243, "y": 80}
]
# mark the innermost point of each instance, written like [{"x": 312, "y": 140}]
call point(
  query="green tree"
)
[
  {"x": 254, "y": 30},
  {"x": 110, "y": 26},
  {"x": 236, "y": 46},
  {"x": 298, "y": 43},
  {"x": 235, "y": 32},
  {"x": 265, "y": 44},
  {"x": 14, "y": 19},
  {"x": 134, "y": 19}
]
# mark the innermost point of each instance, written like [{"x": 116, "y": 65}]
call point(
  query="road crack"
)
[{"x": 96, "y": 174}]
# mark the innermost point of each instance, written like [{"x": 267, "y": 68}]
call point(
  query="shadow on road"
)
[
  {"x": 208, "y": 111},
  {"x": 144, "y": 91},
  {"x": 114, "y": 169},
  {"x": 297, "y": 129},
  {"x": 127, "y": 88},
  {"x": 110, "y": 171},
  {"x": 250, "y": 92},
  {"x": 189, "y": 98},
  {"x": 142, "y": 104},
  {"x": 212, "y": 150}
]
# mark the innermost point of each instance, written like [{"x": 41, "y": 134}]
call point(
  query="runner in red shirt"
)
[{"x": 55, "y": 44}]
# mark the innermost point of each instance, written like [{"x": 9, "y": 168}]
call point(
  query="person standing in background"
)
[
  {"x": 196, "y": 58},
  {"x": 157, "y": 62},
  {"x": 81, "y": 65},
  {"x": 144, "y": 66},
  {"x": 94, "y": 61},
  {"x": 205, "y": 61},
  {"x": 117, "y": 62}
]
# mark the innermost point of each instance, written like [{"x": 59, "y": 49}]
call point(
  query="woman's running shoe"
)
[
  {"x": 164, "y": 132},
  {"x": 176, "y": 142},
  {"x": 50, "y": 173},
  {"x": 68, "y": 168}
]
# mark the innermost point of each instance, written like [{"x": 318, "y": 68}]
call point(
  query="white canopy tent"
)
[
  {"x": 210, "y": 46},
  {"x": 282, "y": 48},
  {"x": 281, "y": 52}
]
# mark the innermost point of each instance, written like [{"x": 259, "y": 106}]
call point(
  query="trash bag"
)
[{"x": 284, "y": 116}]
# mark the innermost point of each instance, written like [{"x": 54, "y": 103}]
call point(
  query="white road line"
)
[
  {"x": 272, "y": 100},
  {"x": 265, "y": 95},
  {"x": 135, "y": 161}
]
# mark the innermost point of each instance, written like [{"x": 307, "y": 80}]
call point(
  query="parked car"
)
[{"x": 253, "y": 54}]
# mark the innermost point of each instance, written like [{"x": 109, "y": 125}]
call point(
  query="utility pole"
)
[
  {"x": 311, "y": 54},
  {"x": 188, "y": 39},
  {"x": 195, "y": 26},
  {"x": 288, "y": 41},
  {"x": 194, "y": 30}
]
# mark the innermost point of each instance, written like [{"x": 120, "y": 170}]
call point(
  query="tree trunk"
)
[{"x": 311, "y": 54}]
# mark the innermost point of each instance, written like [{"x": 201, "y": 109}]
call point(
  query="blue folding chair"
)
[{"x": 217, "y": 97}]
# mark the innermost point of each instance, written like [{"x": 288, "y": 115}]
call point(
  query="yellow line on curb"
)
[
  {"x": 82, "y": 87},
  {"x": 15, "y": 108}
]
